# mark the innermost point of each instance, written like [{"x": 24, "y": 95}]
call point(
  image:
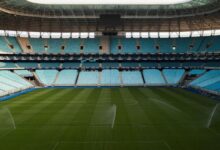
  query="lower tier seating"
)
[
  {"x": 47, "y": 77},
  {"x": 173, "y": 76},
  {"x": 110, "y": 77},
  {"x": 66, "y": 77},
  {"x": 153, "y": 77},
  {"x": 88, "y": 78},
  {"x": 23, "y": 73},
  {"x": 132, "y": 78},
  {"x": 209, "y": 81},
  {"x": 11, "y": 82}
]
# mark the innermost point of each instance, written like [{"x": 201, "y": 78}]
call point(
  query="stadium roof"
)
[
  {"x": 152, "y": 16},
  {"x": 109, "y": 2}
]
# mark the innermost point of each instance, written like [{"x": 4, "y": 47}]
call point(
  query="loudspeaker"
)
[
  {"x": 110, "y": 20},
  {"x": 106, "y": 33}
]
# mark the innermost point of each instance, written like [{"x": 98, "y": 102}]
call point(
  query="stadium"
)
[{"x": 109, "y": 75}]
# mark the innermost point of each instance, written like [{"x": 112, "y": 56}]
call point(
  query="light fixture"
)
[
  {"x": 136, "y": 34},
  {"x": 174, "y": 47},
  {"x": 128, "y": 35},
  {"x": 109, "y": 2},
  {"x": 34, "y": 34},
  {"x": 75, "y": 35}
]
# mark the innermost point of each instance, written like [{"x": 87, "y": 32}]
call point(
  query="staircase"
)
[
  {"x": 37, "y": 80},
  {"x": 166, "y": 82},
  {"x": 57, "y": 76},
  {"x": 99, "y": 78},
  {"x": 187, "y": 79},
  {"x": 120, "y": 78},
  {"x": 105, "y": 45},
  {"x": 77, "y": 77},
  {"x": 25, "y": 45},
  {"x": 142, "y": 75}
]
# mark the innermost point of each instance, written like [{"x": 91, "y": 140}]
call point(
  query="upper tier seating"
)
[
  {"x": 149, "y": 64},
  {"x": 88, "y": 78},
  {"x": 70, "y": 65},
  {"x": 7, "y": 65},
  {"x": 90, "y": 65},
  {"x": 66, "y": 77},
  {"x": 27, "y": 65},
  {"x": 50, "y": 65},
  {"x": 54, "y": 45},
  {"x": 116, "y": 45},
  {"x": 91, "y": 45},
  {"x": 108, "y": 65},
  {"x": 173, "y": 76},
  {"x": 65, "y": 45},
  {"x": 9, "y": 45},
  {"x": 165, "y": 45},
  {"x": 47, "y": 77},
  {"x": 38, "y": 45},
  {"x": 153, "y": 77},
  {"x": 130, "y": 64},
  {"x": 110, "y": 77},
  {"x": 132, "y": 78}
]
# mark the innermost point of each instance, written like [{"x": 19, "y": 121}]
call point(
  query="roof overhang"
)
[{"x": 109, "y": 2}]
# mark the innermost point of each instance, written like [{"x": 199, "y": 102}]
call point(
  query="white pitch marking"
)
[
  {"x": 167, "y": 145},
  {"x": 11, "y": 117},
  {"x": 212, "y": 115},
  {"x": 114, "y": 110},
  {"x": 165, "y": 104},
  {"x": 55, "y": 146}
]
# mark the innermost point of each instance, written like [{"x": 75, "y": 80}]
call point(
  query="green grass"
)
[{"x": 110, "y": 119}]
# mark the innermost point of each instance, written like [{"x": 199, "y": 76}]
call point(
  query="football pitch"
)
[{"x": 110, "y": 119}]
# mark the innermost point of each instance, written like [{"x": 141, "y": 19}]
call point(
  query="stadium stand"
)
[
  {"x": 208, "y": 81},
  {"x": 132, "y": 78},
  {"x": 38, "y": 45},
  {"x": 153, "y": 77},
  {"x": 88, "y": 78},
  {"x": 47, "y": 77},
  {"x": 196, "y": 72},
  {"x": 23, "y": 73},
  {"x": 72, "y": 45},
  {"x": 90, "y": 65},
  {"x": 108, "y": 65},
  {"x": 11, "y": 83},
  {"x": 54, "y": 45},
  {"x": 27, "y": 65},
  {"x": 66, "y": 77},
  {"x": 13, "y": 44},
  {"x": 129, "y": 64},
  {"x": 117, "y": 45},
  {"x": 173, "y": 76},
  {"x": 7, "y": 65},
  {"x": 110, "y": 77},
  {"x": 9, "y": 45},
  {"x": 90, "y": 45},
  {"x": 50, "y": 65},
  {"x": 68, "y": 65}
]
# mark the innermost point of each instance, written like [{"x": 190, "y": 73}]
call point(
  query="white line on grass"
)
[
  {"x": 167, "y": 145},
  {"x": 212, "y": 115},
  {"x": 157, "y": 100},
  {"x": 55, "y": 146},
  {"x": 114, "y": 110},
  {"x": 11, "y": 117}
]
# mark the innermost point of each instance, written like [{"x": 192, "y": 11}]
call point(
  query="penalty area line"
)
[{"x": 212, "y": 115}]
